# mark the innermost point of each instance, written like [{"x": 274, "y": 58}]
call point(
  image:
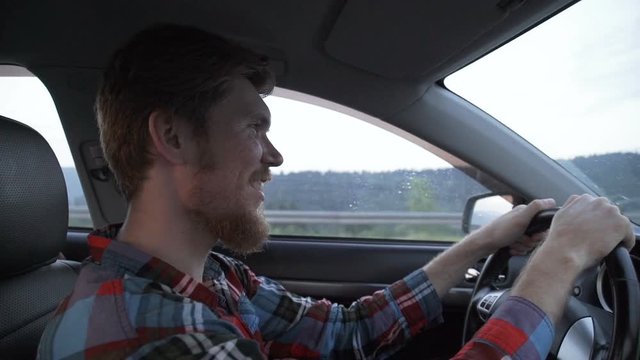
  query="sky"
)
[
  {"x": 589, "y": 103},
  {"x": 571, "y": 86}
]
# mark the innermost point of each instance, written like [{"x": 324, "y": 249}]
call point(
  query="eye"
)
[
  {"x": 258, "y": 126},
  {"x": 254, "y": 128}
]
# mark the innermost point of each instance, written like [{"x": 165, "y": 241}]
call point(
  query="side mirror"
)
[{"x": 482, "y": 209}]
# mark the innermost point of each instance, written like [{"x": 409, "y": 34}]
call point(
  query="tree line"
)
[{"x": 437, "y": 190}]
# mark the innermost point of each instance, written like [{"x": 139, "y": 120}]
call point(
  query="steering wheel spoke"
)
[{"x": 583, "y": 332}]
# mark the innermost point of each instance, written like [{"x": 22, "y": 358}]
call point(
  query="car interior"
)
[{"x": 385, "y": 59}]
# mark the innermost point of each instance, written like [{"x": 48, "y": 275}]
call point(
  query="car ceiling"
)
[{"x": 348, "y": 52}]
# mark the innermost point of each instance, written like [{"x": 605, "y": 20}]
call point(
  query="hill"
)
[{"x": 403, "y": 190}]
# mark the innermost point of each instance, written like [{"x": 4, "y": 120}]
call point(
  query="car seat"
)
[{"x": 33, "y": 229}]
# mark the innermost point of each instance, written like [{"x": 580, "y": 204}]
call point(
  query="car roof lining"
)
[
  {"x": 365, "y": 37},
  {"x": 442, "y": 37},
  {"x": 434, "y": 43}
]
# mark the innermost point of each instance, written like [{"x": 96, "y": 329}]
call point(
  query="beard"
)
[{"x": 243, "y": 231}]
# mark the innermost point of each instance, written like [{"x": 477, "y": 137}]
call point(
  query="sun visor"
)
[{"x": 398, "y": 39}]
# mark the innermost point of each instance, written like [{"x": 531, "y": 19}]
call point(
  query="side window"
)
[
  {"x": 24, "y": 98},
  {"x": 345, "y": 177}
]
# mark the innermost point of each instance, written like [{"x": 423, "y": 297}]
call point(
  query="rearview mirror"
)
[{"x": 482, "y": 209}]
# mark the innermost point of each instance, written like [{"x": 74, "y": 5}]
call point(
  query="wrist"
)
[
  {"x": 547, "y": 281},
  {"x": 479, "y": 243},
  {"x": 557, "y": 262}
]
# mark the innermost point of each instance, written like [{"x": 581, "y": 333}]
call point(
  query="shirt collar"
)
[{"x": 125, "y": 259}]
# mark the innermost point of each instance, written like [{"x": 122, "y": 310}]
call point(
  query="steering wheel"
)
[{"x": 582, "y": 332}]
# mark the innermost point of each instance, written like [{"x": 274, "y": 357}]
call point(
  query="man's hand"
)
[
  {"x": 508, "y": 230},
  {"x": 583, "y": 232},
  {"x": 586, "y": 229},
  {"x": 447, "y": 269}
]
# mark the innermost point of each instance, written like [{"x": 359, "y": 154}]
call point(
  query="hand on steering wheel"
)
[{"x": 582, "y": 331}]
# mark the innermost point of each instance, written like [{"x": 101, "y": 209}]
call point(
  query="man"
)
[{"x": 184, "y": 129}]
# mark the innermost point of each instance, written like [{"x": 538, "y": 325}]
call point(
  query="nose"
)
[{"x": 271, "y": 156}]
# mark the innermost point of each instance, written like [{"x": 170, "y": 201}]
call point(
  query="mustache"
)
[{"x": 264, "y": 176}]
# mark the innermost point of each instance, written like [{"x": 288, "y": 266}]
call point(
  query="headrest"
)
[{"x": 34, "y": 212}]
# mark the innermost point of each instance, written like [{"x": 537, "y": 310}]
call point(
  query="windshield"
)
[{"x": 571, "y": 87}]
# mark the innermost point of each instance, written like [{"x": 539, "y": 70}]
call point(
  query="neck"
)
[{"x": 155, "y": 225}]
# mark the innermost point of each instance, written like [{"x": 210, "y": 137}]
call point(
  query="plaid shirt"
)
[{"x": 128, "y": 304}]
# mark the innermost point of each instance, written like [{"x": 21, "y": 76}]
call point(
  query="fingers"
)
[
  {"x": 542, "y": 204},
  {"x": 538, "y": 237},
  {"x": 519, "y": 249},
  {"x": 536, "y": 206},
  {"x": 585, "y": 198},
  {"x": 527, "y": 243},
  {"x": 594, "y": 224},
  {"x": 630, "y": 239},
  {"x": 570, "y": 200}
]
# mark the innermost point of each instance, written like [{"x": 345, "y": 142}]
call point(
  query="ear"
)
[{"x": 167, "y": 137}]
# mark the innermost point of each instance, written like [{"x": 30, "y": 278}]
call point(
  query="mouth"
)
[{"x": 258, "y": 184}]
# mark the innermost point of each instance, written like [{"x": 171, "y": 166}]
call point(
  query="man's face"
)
[{"x": 231, "y": 166}]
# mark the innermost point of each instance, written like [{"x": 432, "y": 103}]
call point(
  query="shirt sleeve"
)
[
  {"x": 518, "y": 330},
  {"x": 373, "y": 326}
]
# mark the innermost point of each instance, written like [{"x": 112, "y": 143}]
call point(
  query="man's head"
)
[
  {"x": 181, "y": 70},
  {"x": 180, "y": 96}
]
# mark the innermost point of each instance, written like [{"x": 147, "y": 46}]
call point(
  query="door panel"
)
[{"x": 344, "y": 271}]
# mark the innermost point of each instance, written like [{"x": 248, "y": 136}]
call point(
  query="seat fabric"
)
[{"x": 33, "y": 230}]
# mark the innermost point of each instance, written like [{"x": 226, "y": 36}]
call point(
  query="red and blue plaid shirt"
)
[{"x": 128, "y": 304}]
